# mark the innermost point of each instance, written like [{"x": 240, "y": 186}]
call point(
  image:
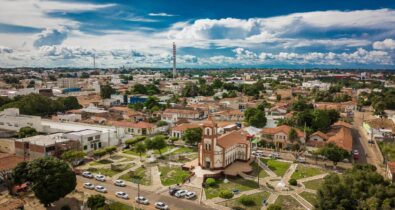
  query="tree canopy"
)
[
  {"x": 106, "y": 91},
  {"x": 51, "y": 178},
  {"x": 192, "y": 136},
  {"x": 358, "y": 188},
  {"x": 333, "y": 153},
  {"x": 255, "y": 117},
  {"x": 27, "y": 132}
]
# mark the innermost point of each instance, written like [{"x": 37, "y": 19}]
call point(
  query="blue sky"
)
[{"x": 236, "y": 33}]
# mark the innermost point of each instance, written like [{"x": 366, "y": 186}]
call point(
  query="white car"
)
[
  {"x": 142, "y": 200},
  {"x": 99, "y": 188},
  {"x": 181, "y": 193},
  {"x": 122, "y": 195},
  {"x": 190, "y": 195},
  {"x": 119, "y": 183},
  {"x": 301, "y": 159},
  {"x": 100, "y": 177},
  {"x": 161, "y": 205},
  {"x": 89, "y": 186},
  {"x": 87, "y": 174},
  {"x": 275, "y": 155}
]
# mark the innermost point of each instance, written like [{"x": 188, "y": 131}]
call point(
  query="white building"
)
[
  {"x": 89, "y": 139},
  {"x": 10, "y": 119},
  {"x": 316, "y": 84}
]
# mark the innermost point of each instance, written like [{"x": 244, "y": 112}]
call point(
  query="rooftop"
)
[{"x": 45, "y": 140}]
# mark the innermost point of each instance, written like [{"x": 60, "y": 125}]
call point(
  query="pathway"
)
[{"x": 289, "y": 172}]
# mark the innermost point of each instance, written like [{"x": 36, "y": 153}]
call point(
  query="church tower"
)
[{"x": 208, "y": 143}]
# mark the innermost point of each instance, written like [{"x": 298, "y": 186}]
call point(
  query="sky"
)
[{"x": 208, "y": 33}]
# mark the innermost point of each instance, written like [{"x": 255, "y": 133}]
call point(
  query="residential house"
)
[
  {"x": 279, "y": 136},
  {"x": 229, "y": 115},
  {"x": 89, "y": 140},
  {"x": 131, "y": 128}
]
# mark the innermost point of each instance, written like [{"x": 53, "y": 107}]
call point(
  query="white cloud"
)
[
  {"x": 161, "y": 14},
  {"x": 387, "y": 44},
  {"x": 5, "y": 50},
  {"x": 51, "y": 36}
]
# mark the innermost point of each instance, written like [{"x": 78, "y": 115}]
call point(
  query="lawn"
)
[
  {"x": 288, "y": 202},
  {"x": 103, "y": 171},
  {"x": 116, "y": 157},
  {"x": 182, "y": 150},
  {"x": 303, "y": 171},
  {"x": 172, "y": 175},
  {"x": 118, "y": 206},
  {"x": 313, "y": 184},
  {"x": 132, "y": 152},
  {"x": 310, "y": 197},
  {"x": 257, "y": 169},
  {"x": 233, "y": 183},
  {"x": 141, "y": 174},
  {"x": 388, "y": 150},
  {"x": 258, "y": 197},
  {"x": 101, "y": 162},
  {"x": 278, "y": 167},
  {"x": 167, "y": 148}
]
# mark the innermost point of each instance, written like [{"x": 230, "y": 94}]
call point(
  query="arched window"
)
[{"x": 208, "y": 131}]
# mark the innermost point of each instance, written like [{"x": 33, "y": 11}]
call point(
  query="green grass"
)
[
  {"x": 141, "y": 174},
  {"x": 172, "y": 175},
  {"x": 101, "y": 162},
  {"x": 288, "y": 202},
  {"x": 258, "y": 197},
  {"x": 310, "y": 197},
  {"x": 314, "y": 184},
  {"x": 183, "y": 150},
  {"x": 132, "y": 152},
  {"x": 278, "y": 167},
  {"x": 103, "y": 171},
  {"x": 167, "y": 148},
  {"x": 118, "y": 206},
  {"x": 303, "y": 171},
  {"x": 388, "y": 150},
  {"x": 234, "y": 183},
  {"x": 257, "y": 169},
  {"x": 116, "y": 157}
]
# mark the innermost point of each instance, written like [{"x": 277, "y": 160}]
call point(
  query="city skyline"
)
[{"x": 218, "y": 34}]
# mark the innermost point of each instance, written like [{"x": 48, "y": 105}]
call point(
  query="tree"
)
[
  {"x": 106, "y": 91},
  {"x": 226, "y": 194},
  {"x": 27, "y": 132},
  {"x": 51, "y": 178},
  {"x": 211, "y": 182},
  {"x": 247, "y": 200},
  {"x": 158, "y": 143},
  {"x": 274, "y": 207},
  {"x": 70, "y": 103},
  {"x": 96, "y": 201},
  {"x": 110, "y": 150},
  {"x": 217, "y": 84},
  {"x": 190, "y": 90},
  {"x": 99, "y": 153},
  {"x": 151, "y": 103},
  {"x": 192, "y": 136},
  {"x": 8, "y": 179},
  {"x": 255, "y": 117},
  {"x": 379, "y": 109},
  {"x": 292, "y": 135},
  {"x": 73, "y": 156},
  {"x": 358, "y": 188},
  {"x": 140, "y": 148},
  {"x": 293, "y": 182},
  {"x": 334, "y": 153}
]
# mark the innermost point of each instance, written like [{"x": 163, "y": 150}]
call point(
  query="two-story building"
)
[{"x": 280, "y": 137}]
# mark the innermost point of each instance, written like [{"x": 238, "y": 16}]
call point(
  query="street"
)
[{"x": 172, "y": 202}]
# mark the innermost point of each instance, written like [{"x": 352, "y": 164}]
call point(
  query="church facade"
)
[{"x": 218, "y": 152}]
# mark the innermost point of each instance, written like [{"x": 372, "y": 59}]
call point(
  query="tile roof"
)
[
  {"x": 343, "y": 138},
  {"x": 232, "y": 138},
  {"x": 320, "y": 134},
  {"x": 342, "y": 123},
  {"x": 283, "y": 128},
  {"x": 184, "y": 126},
  {"x": 131, "y": 124}
]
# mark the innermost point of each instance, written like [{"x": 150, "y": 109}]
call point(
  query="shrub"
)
[
  {"x": 96, "y": 201},
  {"x": 247, "y": 201},
  {"x": 293, "y": 182},
  {"x": 226, "y": 194},
  {"x": 135, "y": 140},
  {"x": 99, "y": 153},
  {"x": 210, "y": 182},
  {"x": 274, "y": 207}
]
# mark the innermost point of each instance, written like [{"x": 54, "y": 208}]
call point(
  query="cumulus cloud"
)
[
  {"x": 387, "y": 44},
  {"x": 5, "y": 50},
  {"x": 65, "y": 52},
  {"x": 51, "y": 36}
]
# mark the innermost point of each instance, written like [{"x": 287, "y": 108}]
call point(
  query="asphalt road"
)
[{"x": 172, "y": 202}]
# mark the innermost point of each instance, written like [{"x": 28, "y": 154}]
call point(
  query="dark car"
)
[{"x": 173, "y": 191}]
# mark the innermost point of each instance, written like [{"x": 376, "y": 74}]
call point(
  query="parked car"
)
[
  {"x": 119, "y": 183},
  {"x": 275, "y": 155},
  {"x": 142, "y": 200},
  {"x": 100, "y": 177},
  {"x": 89, "y": 186},
  {"x": 301, "y": 159},
  {"x": 180, "y": 193},
  {"x": 100, "y": 188},
  {"x": 190, "y": 195},
  {"x": 356, "y": 155},
  {"x": 173, "y": 191},
  {"x": 122, "y": 195},
  {"x": 161, "y": 205},
  {"x": 87, "y": 174}
]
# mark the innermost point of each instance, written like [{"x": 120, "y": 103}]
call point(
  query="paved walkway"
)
[
  {"x": 321, "y": 176},
  {"x": 289, "y": 173},
  {"x": 264, "y": 167}
]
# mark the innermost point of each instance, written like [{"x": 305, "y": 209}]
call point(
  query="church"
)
[{"x": 219, "y": 151}]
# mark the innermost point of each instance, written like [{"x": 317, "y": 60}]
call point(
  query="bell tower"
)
[{"x": 208, "y": 144}]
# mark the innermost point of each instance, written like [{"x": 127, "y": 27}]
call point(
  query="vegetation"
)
[
  {"x": 334, "y": 153},
  {"x": 313, "y": 184},
  {"x": 210, "y": 182},
  {"x": 172, "y": 175},
  {"x": 96, "y": 201},
  {"x": 73, "y": 156},
  {"x": 255, "y": 117},
  {"x": 258, "y": 171},
  {"x": 226, "y": 194},
  {"x": 158, "y": 142},
  {"x": 27, "y": 132},
  {"x": 250, "y": 202},
  {"x": 139, "y": 175},
  {"x": 278, "y": 167},
  {"x": 288, "y": 202},
  {"x": 274, "y": 207},
  {"x": 310, "y": 197},
  {"x": 232, "y": 184},
  {"x": 51, "y": 178},
  {"x": 303, "y": 171},
  {"x": 293, "y": 182},
  {"x": 358, "y": 188},
  {"x": 140, "y": 148},
  {"x": 36, "y": 104},
  {"x": 149, "y": 89},
  {"x": 388, "y": 150},
  {"x": 192, "y": 136},
  {"x": 106, "y": 91},
  {"x": 135, "y": 140}
]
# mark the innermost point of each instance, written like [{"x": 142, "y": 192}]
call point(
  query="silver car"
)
[
  {"x": 142, "y": 200},
  {"x": 119, "y": 183},
  {"x": 87, "y": 174},
  {"x": 101, "y": 189},
  {"x": 100, "y": 177},
  {"x": 89, "y": 186},
  {"x": 122, "y": 195},
  {"x": 161, "y": 205},
  {"x": 181, "y": 193},
  {"x": 190, "y": 195}
]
